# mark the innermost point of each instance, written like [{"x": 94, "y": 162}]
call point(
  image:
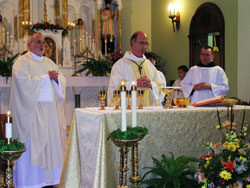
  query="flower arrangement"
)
[
  {"x": 115, "y": 56},
  {"x": 228, "y": 164},
  {"x": 46, "y": 26},
  {"x": 130, "y": 134}
]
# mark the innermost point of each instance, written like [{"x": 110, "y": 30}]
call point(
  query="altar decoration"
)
[
  {"x": 171, "y": 172},
  {"x": 95, "y": 66},
  {"x": 6, "y": 66},
  {"x": 46, "y": 26},
  {"x": 227, "y": 165}
]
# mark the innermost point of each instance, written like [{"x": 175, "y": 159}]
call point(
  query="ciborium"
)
[
  {"x": 117, "y": 96},
  {"x": 10, "y": 157},
  {"x": 140, "y": 94},
  {"x": 169, "y": 91},
  {"x": 102, "y": 97}
]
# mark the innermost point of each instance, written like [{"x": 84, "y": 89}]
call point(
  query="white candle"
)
[
  {"x": 134, "y": 102},
  {"x": 123, "y": 106},
  {"x": 8, "y": 127}
]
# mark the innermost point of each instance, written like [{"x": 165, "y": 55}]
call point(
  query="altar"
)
[{"x": 92, "y": 161}]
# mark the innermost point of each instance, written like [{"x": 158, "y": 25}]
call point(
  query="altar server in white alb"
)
[
  {"x": 205, "y": 80},
  {"x": 37, "y": 103},
  {"x": 134, "y": 66}
]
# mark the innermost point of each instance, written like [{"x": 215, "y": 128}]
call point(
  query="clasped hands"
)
[
  {"x": 53, "y": 75},
  {"x": 144, "y": 82},
  {"x": 202, "y": 86}
]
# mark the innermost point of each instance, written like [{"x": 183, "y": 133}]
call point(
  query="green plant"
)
[
  {"x": 171, "y": 173},
  {"x": 98, "y": 67},
  {"x": 6, "y": 66},
  {"x": 13, "y": 146},
  {"x": 130, "y": 134}
]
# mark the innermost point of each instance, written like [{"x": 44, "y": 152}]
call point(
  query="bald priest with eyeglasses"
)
[
  {"x": 205, "y": 80},
  {"x": 134, "y": 66},
  {"x": 37, "y": 105}
]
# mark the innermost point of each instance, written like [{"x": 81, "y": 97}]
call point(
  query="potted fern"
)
[
  {"x": 96, "y": 67},
  {"x": 171, "y": 173}
]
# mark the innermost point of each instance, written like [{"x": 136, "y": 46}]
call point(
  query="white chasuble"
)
[
  {"x": 212, "y": 75},
  {"x": 127, "y": 69},
  {"x": 37, "y": 106}
]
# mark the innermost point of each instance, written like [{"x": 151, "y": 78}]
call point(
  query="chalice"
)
[
  {"x": 117, "y": 96},
  {"x": 102, "y": 97},
  {"x": 140, "y": 94},
  {"x": 128, "y": 96},
  {"x": 169, "y": 93}
]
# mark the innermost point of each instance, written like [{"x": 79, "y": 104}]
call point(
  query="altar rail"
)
[{"x": 86, "y": 87}]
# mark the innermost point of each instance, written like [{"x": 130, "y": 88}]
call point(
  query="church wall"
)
[
  {"x": 243, "y": 50},
  {"x": 136, "y": 15},
  {"x": 174, "y": 46}
]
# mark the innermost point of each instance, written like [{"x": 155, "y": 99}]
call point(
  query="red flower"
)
[
  {"x": 229, "y": 165},
  {"x": 38, "y": 25}
]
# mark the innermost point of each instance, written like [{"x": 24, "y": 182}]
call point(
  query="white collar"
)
[
  {"x": 36, "y": 57},
  {"x": 131, "y": 56}
]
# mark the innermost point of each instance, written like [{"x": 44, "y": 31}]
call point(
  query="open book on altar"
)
[{"x": 208, "y": 102}]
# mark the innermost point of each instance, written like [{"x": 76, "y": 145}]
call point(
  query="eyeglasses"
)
[
  {"x": 39, "y": 42},
  {"x": 143, "y": 43},
  {"x": 207, "y": 55}
]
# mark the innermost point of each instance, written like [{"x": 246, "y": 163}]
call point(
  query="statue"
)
[
  {"x": 66, "y": 50},
  {"x": 108, "y": 17}
]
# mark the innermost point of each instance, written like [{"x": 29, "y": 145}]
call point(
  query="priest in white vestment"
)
[
  {"x": 37, "y": 104},
  {"x": 205, "y": 80},
  {"x": 135, "y": 67}
]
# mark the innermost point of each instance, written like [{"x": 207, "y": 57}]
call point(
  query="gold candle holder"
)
[
  {"x": 140, "y": 94},
  {"x": 128, "y": 96},
  {"x": 117, "y": 96},
  {"x": 102, "y": 97},
  {"x": 10, "y": 157}
]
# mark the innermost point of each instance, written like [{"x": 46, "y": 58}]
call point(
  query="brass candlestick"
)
[
  {"x": 123, "y": 145},
  {"x": 10, "y": 157}
]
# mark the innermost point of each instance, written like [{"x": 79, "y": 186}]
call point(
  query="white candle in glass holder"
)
[
  {"x": 123, "y": 106},
  {"x": 134, "y": 102},
  {"x": 8, "y": 127}
]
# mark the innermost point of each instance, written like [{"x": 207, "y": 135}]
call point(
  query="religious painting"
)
[
  {"x": 50, "y": 49},
  {"x": 108, "y": 27}
]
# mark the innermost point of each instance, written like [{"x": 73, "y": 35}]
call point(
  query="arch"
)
[{"x": 207, "y": 22}]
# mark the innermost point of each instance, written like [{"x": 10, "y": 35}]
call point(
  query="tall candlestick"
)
[
  {"x": 11, "y": 42},
  {"x": 90, "y": 41},
  {"x": 134, "y": 103},
  {"x": 8, "y": 127},
  {"x": 80, "y": 45},
  {"x": 123, "y": 106},
  {"x": 3, "y": 37},
  {"x": 74, "y": 47},
  {"x": 93, "y": 46},
  {"x": 83, "y": 42},
  {"x": 105, "y": 47},
  {"x": 7, "y": 40},
  {"x": 87, "y": 39}
]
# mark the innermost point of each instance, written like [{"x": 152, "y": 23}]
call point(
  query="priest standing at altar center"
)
[
  {"x": 134, "y": 66},
  {"x": 37, "y": 104},
  {"x": 205, "y": 80}
]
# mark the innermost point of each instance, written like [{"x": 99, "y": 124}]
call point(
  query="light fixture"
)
[{"x": 174, "y": 15}]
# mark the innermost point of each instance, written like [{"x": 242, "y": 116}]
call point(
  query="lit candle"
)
[
  {"x": 123, "y": 106},
  {"x": 134, "y": 103},
  {"x": 8, "y": 127}
]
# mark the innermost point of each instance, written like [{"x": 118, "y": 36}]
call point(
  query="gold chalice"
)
[
  {"x": 128, "y": 96},
  {"x": 140, "y": 94},
  {"x": 169, "y": 92},
  {"x": 117, "y": 96},
  {"x": 102, "y": 97}
]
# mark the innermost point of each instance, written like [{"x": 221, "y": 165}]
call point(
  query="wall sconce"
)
[{"x": 174, "y": 16}]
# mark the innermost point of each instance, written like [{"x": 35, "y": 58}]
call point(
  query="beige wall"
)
[
  {"x": 136, "y": 15},
  {"x": 243, "y": 50},
  {"x": 174, "y": 47}
]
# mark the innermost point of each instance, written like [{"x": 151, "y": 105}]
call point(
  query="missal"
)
[{"x": 208, "y": 102}]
